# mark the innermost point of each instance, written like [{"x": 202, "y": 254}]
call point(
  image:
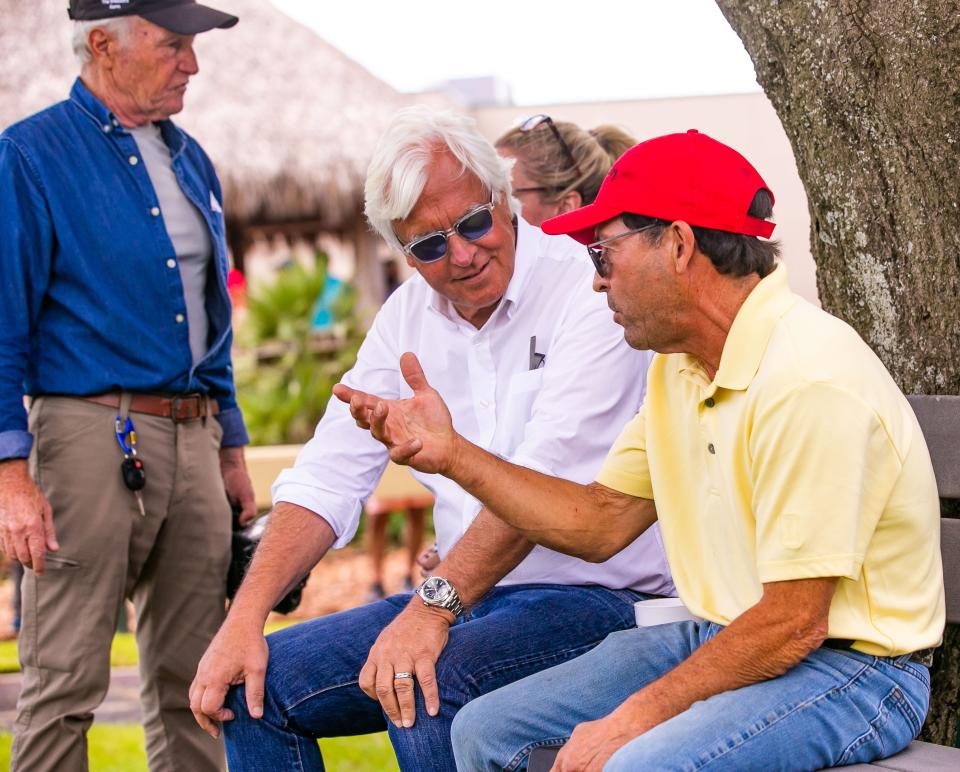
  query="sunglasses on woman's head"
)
[
  {"x": 474, "y": 225},
  {"x": 534, "y": 121}
]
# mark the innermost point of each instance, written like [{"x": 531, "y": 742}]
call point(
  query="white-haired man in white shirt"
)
[{"x": 506, "y": 325}]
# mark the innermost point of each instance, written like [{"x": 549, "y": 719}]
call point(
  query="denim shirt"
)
[{"x": 91, "y": 299}]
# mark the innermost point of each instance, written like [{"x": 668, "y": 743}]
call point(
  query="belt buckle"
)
[{"x": 178, "y": 401}]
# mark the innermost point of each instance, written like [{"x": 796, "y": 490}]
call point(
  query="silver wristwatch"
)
[{"x": 439, "y": 593}]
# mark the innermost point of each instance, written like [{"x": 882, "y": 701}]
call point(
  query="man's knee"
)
[
  {"x": 474, "y": 736},
  {"x": 236, "y": 701}
]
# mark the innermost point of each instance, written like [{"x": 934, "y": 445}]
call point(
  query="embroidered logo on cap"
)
[{"x": 115, "y": 5}]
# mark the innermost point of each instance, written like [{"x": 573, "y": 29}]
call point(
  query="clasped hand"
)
[{"x": 417, "y": 431}]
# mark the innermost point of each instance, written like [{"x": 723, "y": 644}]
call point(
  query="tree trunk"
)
[{"x": 869, "y": 95}]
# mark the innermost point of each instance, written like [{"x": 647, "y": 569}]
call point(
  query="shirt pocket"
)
[{"x": 521, "y": 393}]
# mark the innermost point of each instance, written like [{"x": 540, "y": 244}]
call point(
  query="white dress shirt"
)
[{"x": 559, "y": 418}]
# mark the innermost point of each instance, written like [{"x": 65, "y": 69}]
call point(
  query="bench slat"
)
[
  {"x": 939, "y": 418},
  {"x": 950, "y": 550}
]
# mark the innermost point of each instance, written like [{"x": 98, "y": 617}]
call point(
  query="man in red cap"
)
[
  {"x": 790, "y": 479},
  {"x": 115, "y": 320}
]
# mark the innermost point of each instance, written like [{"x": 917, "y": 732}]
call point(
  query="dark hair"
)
[
  {"x": 548, "y": 165},
  {"x": 731, "y": 253}
]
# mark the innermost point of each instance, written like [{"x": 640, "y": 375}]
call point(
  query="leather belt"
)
[
  {"x": 924, "y": 656},
  {"x": 178, "y": 408}
]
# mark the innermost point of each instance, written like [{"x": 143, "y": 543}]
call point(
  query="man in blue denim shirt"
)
[{"x": 113, "y": 305}]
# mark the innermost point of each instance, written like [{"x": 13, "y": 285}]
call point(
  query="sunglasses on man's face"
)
[{"x": 474, "y": 225}]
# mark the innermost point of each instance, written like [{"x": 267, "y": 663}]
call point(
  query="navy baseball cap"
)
[{"x": 185, "y": 17}]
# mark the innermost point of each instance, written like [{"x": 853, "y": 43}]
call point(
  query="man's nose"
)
[
  {"x": 188, "y": 62},
  {"x": 599, "y": 283},
  {"x": 460, "y": 251}
]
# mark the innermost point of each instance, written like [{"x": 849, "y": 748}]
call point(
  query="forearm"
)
[
  {"x": 586, "y": 521},
  {"x": 487, "y": 552},
  {"x": 757, "y": 646},
  {"x": 13, "y": 468},
  {"x": 294, "y": 542},
  {"x": 232, "y": 456}
]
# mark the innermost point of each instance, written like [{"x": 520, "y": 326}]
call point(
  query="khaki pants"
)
[{"x": 171, "y": 563}]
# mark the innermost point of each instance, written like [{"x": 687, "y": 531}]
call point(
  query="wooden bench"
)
[{"x": 940, "y": 420}]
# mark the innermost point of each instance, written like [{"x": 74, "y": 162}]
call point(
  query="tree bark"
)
[{"x": 869, "y": 95}]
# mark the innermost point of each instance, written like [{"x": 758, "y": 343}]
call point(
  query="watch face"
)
[{"x": 435, "y": 589}]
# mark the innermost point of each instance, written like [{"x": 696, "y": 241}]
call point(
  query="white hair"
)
[
  {"x": 397, "y": 173},
  {"x": 121, "y": 26}
]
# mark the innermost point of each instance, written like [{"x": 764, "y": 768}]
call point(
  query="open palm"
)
[{"x": 417, "y": 431}]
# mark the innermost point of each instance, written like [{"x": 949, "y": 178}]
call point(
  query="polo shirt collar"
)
[{"x": 751, "y": 330}]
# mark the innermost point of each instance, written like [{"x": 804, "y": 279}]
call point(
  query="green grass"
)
[
  {"x": 119, "y": 748},
  {"x": 123, "y": 652}
]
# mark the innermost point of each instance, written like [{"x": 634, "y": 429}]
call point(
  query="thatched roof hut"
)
[{"x": 289, "y": 121}]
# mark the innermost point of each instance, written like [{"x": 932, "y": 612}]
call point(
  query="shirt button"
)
[
  {"x": 107, "y": 128},
  {"x": 179, "y": 318},
  {"x": 171, "y": 263},
  {"x": 155, "y": 211},
  {"x": 709, "y": 402},
  {"x": 484, "y": 403},
  {"x": 133, "y": 160},
  {"x": 713, "y": 450},
  {"x": 115, "y": 122}
]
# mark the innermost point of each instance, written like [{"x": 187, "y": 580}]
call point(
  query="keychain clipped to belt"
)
[{"x": 131, "y": 468}]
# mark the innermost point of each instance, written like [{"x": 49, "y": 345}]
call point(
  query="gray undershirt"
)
[{"x": 186, "y": 229}]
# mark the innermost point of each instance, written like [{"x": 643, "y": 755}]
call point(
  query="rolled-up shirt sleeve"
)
[
  {"x": 340, "y": 466},
  {"x": 234, "y": 428}
]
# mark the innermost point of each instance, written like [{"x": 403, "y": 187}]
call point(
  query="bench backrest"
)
[{"x": 939, "y": 418}]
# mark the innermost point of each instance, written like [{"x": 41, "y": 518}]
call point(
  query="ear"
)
[
  {"x": 569, "y": 201},
  {"x": 684, "y": 245},
  {"x": 410, "y": 260},
  {"x": 103, "y": 46}
]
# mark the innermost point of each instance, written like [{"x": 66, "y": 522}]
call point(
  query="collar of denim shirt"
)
[{"x": 110, "y": 125}]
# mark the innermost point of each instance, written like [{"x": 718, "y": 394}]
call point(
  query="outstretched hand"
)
[{"x": 417, "y": 431}]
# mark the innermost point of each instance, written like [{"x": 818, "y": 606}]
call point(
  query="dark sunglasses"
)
[
  {"x": 474, "y": 225},
  {"x": 535, "y": 121},
  {"x": 597, "y": 250}
]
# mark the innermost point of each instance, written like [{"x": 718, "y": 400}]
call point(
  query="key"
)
[
  {"x": 134, "y": 474},
  {"x": 139, "y": 498}
]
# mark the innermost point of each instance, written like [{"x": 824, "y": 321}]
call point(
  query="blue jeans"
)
[
  {"x": 311, "y": 680},
  {"x": 832, "y": 709}
]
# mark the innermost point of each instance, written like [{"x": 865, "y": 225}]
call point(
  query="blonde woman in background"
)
[{"x": 559, "y": 166}]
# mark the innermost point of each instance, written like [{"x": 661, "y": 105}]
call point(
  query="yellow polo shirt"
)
[{"x": 801, "y": 459}]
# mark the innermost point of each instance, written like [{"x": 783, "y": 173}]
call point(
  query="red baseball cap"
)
[{"x": 689, "y": 177}]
